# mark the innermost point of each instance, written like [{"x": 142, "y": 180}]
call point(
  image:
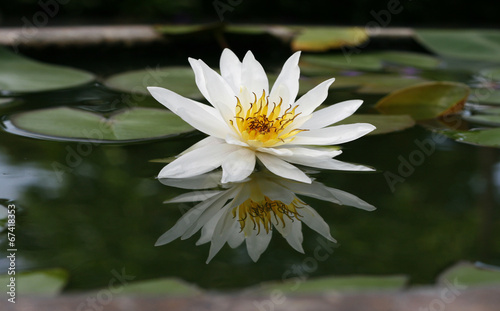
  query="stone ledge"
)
[{"x": 418, "y": 299}]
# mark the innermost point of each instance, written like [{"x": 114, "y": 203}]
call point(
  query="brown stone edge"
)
[{"x": 485, "y": 298}]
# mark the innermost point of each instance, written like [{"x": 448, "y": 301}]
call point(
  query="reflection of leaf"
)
[
  {"x": 169, "y": 286},
  {"x": 338, "y": 283},
  {"x": 426, "y": 100},
  {"x": 178, "y": 79},
  {"x": 384, "y": 124},
  {"x": 467, "y": 44},
  {"x": 19, "y": 74},
  {"x": 42, "y": 282},
  {"x": 487, "y": 138},
  {"x": 320, "y": 39},
  {"x": 70, "y": 124},
  {"x": 468, "y": 274}
]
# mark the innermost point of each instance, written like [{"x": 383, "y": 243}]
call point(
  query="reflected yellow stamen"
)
[
  {"x": 262, "y": 214},
  {"x": 262, "y": 126}
]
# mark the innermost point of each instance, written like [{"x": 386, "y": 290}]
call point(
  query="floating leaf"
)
[
  {"x": 169, "y": 286},
  {"x": 484, "y": 119},
  {"x": 373, "y": 83},
  {"x": 487, "y": 138},
  {"x": 320, "y": 39},
  {"x": 344, "y": 61},
  {"x": 483, "y": 45},
  {"x": 178, "y": 79},
  {"x": 42, "y": 282},
  {"x": 491, "y": 74},
  {"x": 485, "y": 96},
  {"x": 384, "y": 124},
  {"x": 417, "y": 60},
  {"x": 187, "y": 29},
  {"x": 468, "y": 274},
  {"x": 339, "y": 283},
  {"x": 62, "y": 123},
  {"x": 19, "y": 74},
  {"x": 425, "y": 101}
]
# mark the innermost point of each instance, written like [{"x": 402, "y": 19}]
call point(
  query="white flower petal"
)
[
  {"x": 289, "y": 78},
  {"x": 253, "y": 76},
  {"x": 237, "y": 237},
  {"x": 220, "y": 92},
  {"x": 238, "y": 165},
  {"x": 222, "y": 232},
  {"x": 204, "y": 181},
  {"x": 208, "y": 228},
  {"x": 314, "y": 190},
  {"x": 276, "y": 151},
  {"x": 195, "y": 196},
  {"x": 189, "y": 219},
  {"x": 231, "y": 139},
  {"x": 210, "y": 140},
  {"x": 197, "y": 162},
  {"x": 230, "y": 69},
  {"x": 312, "y": 99},
  {"x": 282, "y": 168},
  {"x": 346, "y": 198},
  {"x": 257, "y": 243},
  {"x": 202, "y": 117},
  {"x": 199, "y": 77},
  {"x": 332, "y": 114},
  {"x": 295, "y": 237},
  {"x": 338, "y": 134},
  {"x": 314, "y": 159},
  {"x": 314, "y": 221}
]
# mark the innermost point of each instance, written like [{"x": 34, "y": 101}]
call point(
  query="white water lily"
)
[
  {"x": 247, "y": 122},
  {"x": 250, "y": 211}
]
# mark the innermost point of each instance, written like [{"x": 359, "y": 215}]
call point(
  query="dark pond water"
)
[{"x": 91, "y": 208}]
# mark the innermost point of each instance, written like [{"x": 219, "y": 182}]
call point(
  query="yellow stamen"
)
[
  {"x": 263, "y": 213},
  {"x": 262, "y": 126}
]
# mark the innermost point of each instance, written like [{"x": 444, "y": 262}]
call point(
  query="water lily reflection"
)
[{"x": 251, "y": 210}]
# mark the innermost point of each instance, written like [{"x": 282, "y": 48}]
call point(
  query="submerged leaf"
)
[
  {"x": 19, "y": 74},
  {"x": 63, "y": 123},
  {"x": 426, "y": 100}
]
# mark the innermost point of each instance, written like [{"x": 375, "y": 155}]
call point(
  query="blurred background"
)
[{"x": 416, "y": 13}]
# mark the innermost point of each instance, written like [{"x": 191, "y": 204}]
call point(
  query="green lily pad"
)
[
  {"x": 374, "y": 83},
  {"x": 481, "y": 45},
  {"x": 320, "y": 39},
  {"x": 337, "y": 283},
  {"x": 70, "y": 124},
  {"x": 484, "y": 119},
  {"x": 169, "y": 286},
  {"x": 383, "y": 123},
  {"x": 42, "y": 282},
  {"x": 485, "y": 96},
  {"x": 417, "y": 60},
  {"x": 342, "y": 61},
  {"x": 177, "y": 79},
  {"x": 187, "y": 29},
  {"x": 425, "y": 101},
  {"x": 491, "y": 74},
  {"x": 19, "y": 74},
  {"x": 468, "y": 274},
  {"x": 486, "y": 138}
]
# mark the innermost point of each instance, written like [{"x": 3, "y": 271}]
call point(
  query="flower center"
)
[
  {"x": 262, "y": 214},
  {"x": 261, "y": 126}
]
